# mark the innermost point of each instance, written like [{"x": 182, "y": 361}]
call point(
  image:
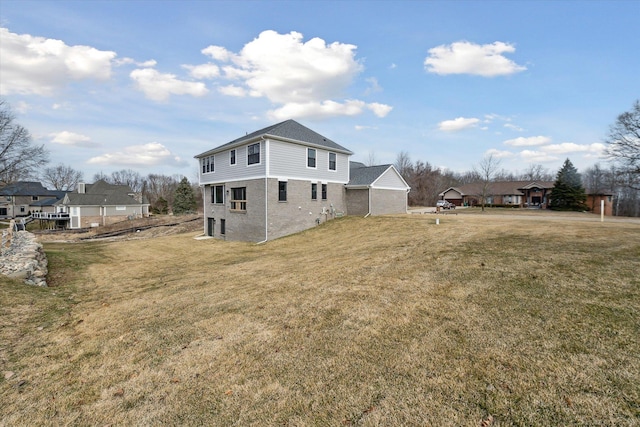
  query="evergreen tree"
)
[
  {"x": 184, "y": 200},
  {"x": 568, "y": 193}
]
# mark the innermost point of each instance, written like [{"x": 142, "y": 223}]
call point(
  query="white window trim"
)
[
  {"x": 329, "y": 161},
  {"x": 231, "y": 157},
  {"x": 316, "y": 158},
  {"x": 260, "y": 153}
]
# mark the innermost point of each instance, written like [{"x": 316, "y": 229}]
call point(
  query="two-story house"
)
[
  {"x": 276, "y": 181},
  {"x": 20, "y": 199}
]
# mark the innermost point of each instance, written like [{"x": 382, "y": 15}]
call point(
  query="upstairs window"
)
[
  {"x": 253, "y": 154},
  {"x": 207, "y": 164},
  {"x": 311, "y": 157},
  {"x": 332, "y": 161},
  {"x": 34, "y": 198},
  {"x": 232, "y": 157},
  {"x": 282, "y": 191}
]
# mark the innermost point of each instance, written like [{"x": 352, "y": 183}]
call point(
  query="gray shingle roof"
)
[
  {"x": 102, "y": 193},
  {"x": 365, "y": 175},
  {"x": 289, "y": 129},
  {"x": 25, "y": 188}
]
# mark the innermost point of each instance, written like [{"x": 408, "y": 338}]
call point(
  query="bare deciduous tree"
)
[
  {"x": 62, "y": 177},
  {"x": 486, "y": 169},
  {"x": 19, "y": 157},
  {"x": 624, "y": 139}
]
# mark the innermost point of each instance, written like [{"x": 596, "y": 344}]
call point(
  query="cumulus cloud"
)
[
  {"x": 498, "y": 154},
  {"x": 71, "y": 139},
  {"x": 457, "y": 124},
  {"x": 151, "y": 154},
  {"x": 528, "y": 141},
  {"x": 144, "y": 64},
  {"x": 304, "y": 78},
  {"x": 40, "y": 66},
  {"x": 318, "y": 109},
  {"x": 203, "y": 71},
  {"x": 571, "y": 147},
  {"x": 464, "y": 57},
  {"x": 537, "y": 156},
  {"x": 160, "y": 86}
]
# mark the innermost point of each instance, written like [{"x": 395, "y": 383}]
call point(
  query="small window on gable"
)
[
  {"x": 332, "y": 161},
  {"x": 232, "y": 157},
  {"x": 311, "y": 157},
  {"x": 253, "y": 154}
]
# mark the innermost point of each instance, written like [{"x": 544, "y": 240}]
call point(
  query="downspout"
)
[
  {"x": 266, "y": 192},
  {"x": 369, "y": 203},
  {"x": 204, "y": 208}
]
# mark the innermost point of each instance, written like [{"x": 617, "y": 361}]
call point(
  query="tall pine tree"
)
[
  {"x": 184, "y": 200},
  {"x": 568, "y": 193}
]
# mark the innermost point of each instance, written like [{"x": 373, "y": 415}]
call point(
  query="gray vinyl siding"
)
[
  {"x": 390, "y": 180},
  {"x": 224, "y": 171},
  {"x": 290, "y": 161}
]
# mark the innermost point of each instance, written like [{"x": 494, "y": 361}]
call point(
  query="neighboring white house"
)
[{"x": 287, "y": 178}]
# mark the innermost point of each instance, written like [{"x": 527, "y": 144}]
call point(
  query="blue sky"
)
[{"x": 146, "y": 85}]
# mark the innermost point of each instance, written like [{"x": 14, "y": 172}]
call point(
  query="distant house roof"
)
[
  {"x": 287, "y": 130},
  {"x": 500, "y": 188},
  {"x": 25, "y": 188},
  {"x": 101, "y": 193}
]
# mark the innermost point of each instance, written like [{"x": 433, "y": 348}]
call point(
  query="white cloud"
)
[
  {"x": 218, "y": 53},
  {"x": 374, "y": 86},
  {"x": 304, "y": 79},
  {"x": 318, "y": 109},
  {"x": 469, "y": 58},
  {"x": 71, "y": 139},
  {"x": 37, "y": 65},
  {"x": 513, "y": 127},
  {"x": 537, "y": 156},
  {"x": 570, "y": 147},
  {"x": 528, "y": 141},
  {"x": 457, "y": 124},
  {"x": 232, "y": 90},
  {"x": 380, "y": 110},
  {"x": 203, "y": 71},
  {"x": 498, "y": 154},
  {"x": 151, "y": 154},
  {"x": 143, "y": 64},
  {"x": 160, "y": 86}
]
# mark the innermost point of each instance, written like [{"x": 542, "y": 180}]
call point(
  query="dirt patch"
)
[{"x": 143, "y": 228}]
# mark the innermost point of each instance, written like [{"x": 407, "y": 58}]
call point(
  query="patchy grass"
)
[{"x": 377, "y": 321}]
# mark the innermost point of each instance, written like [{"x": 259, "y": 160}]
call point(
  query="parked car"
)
[{"x": 443, "y": 204}]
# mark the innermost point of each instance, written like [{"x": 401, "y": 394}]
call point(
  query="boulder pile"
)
[{"x": 24, "y": 259}]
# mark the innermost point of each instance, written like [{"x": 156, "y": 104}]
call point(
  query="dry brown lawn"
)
[{"x": 380, "y": 321}]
